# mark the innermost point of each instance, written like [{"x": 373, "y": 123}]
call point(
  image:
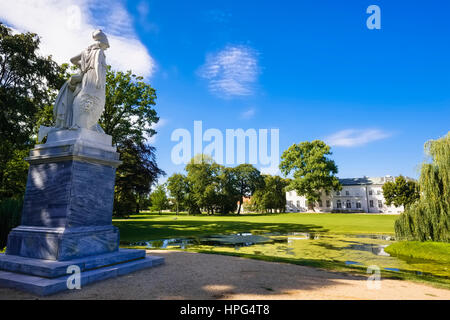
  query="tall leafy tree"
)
[
  {"x": 178, "y": 188},
  {"x": 129, "y": 118},
  {"x": 312, "y": 169},
  {"x": 202, "y": 176},
  {"x": 28, "y": 83},
  {"x": 129, "y": 107},
  {"x": 228, "y": 190},
  {"x": 271, "y": 195},
  {"x": 135, "y": 176},
  {"x": 401, "y": 192},
  {"x": 159, "y": 198},
  {"x": 428, "y": 219},
  {"x": 248, "y": 180}
]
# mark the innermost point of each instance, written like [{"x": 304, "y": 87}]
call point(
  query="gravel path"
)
[{"x": 188, "y": 275}]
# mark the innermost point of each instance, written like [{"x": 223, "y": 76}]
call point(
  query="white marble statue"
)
[{"x": 81, "y": 100}]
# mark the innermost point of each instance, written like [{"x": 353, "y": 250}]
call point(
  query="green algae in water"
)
[
  {"x": 363, "y": 251},
  {"x": 347, "y": 249}
]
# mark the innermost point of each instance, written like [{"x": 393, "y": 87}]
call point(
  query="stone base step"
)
[
  {"x": 54, "y": 269},
  {"x": 46, "y": 286}
]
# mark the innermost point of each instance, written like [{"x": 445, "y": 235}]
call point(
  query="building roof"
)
[
  {"x": 365, "y": 180},
  {"x": 369, "y": 180}
]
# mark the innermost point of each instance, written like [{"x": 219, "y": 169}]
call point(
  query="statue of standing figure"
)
[{"x": 81, "y": 100}]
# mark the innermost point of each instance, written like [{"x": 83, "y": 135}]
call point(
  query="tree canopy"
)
[
  {"x": 178, "y": 188},
  {"x": 28, "y": 83},
  {"x": 214, "y": 188},
  {"x": 159, "y": 198},
  {"x": 248, "y": 179},
  {"x": 129, "y": 117},
  {"x": 270, "y": 195},
  {"x": 129, "y": 107},
  {"x": 428, "y": 219},
  {"x": 401, "y": 192},
  {"x": 312, "y": 170}
]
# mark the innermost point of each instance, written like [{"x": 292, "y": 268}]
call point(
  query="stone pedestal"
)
[{"x": 67, "y": 213}]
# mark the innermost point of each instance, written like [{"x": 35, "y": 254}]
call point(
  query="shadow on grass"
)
[{"x": 152, "y": 230}]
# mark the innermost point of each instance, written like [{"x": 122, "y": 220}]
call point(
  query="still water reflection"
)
[{"x": 362, "y": 249}]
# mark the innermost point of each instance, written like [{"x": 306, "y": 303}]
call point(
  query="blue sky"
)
[{"x": 312, "y": 69}]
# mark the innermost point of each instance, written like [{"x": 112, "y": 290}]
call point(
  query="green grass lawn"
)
[
  {"x": 154, "y": 226},
  {"x": 321, "y": 254},
  {"x": 437, "y": 251}
]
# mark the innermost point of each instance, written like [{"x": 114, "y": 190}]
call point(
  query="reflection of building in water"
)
[
  {"x": 357, "y": 195},
  {"x": 374, "y": 248},
  {"x": 302, "y": 236}
]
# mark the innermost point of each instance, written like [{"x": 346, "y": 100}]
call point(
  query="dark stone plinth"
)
[
  {"x": 62, "y": 243},
  {"x": 67, "y": 217},
  {"x": 69, "y": 198}
]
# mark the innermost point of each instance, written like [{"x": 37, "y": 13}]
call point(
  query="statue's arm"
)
[
  {"x": 100, "y": 69},
  {"x": 76, "y": 60}
]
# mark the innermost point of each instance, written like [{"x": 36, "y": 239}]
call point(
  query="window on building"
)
[
  {"x": 290, "y": 203},
  {"x": 347, "y": 193},
  {"x": 328, "y": 203},
  {"x": 327, "y": 193},
  {"x": 298, "y": 203},
  {"x": 380, "y": 204},
  {"x": 371, "y": 203},
  {"x": 338, "y": 204},
  {"x": 338, "y": 193},
  {"x": 358, "y": 205},
  {"x": 348, "y": 205},
  {"x": 378, "y": 192},
  {"x": 370, "y": 192},
  {"x": 320, "y": 203}
]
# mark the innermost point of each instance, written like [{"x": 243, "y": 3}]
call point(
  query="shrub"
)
[{"x": 10, "y": 215}]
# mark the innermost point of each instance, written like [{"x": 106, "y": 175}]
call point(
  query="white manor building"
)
[{"x": 357, "y": 195}]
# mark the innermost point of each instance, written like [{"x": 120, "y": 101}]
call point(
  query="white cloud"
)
[
  {"x": 232, "y": 71},
  {"x": 354, "y": 137},
  {"x": 248, "y": 114},
  {"x": 65, "y": 28}
]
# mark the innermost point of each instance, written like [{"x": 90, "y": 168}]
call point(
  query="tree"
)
[
  {"x": 134, "y": 177},
  {"x": 129, "y": 117},
  {"x": 428, "y": 219},
  {"x": 248, "y": 180},
  {"x": 312, "y": 170},
  {"x": 178, "y": 188},
  {"x": 228, "y": 191},
  {"x": 129, "y": 112},
  {"x": 202, "y": 176},
  {"x": 28, "y": 83},
  {"x": 159, "y": 199},
  {"x": 271, "y": 196},
  {"x": 401, "y": 192}
]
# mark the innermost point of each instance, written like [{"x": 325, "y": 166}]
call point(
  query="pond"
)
[{"x": 363, "y": 249}]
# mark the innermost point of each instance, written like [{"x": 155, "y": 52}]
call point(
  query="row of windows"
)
[
  {"x": 339, "y": 203},
  {"x": 347, "y": 193}
]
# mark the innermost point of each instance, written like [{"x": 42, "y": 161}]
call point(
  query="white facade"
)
[{"x": 357, "y": 195}]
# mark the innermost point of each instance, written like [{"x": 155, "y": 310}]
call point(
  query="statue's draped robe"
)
[{"x": 85, "y": 98}]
